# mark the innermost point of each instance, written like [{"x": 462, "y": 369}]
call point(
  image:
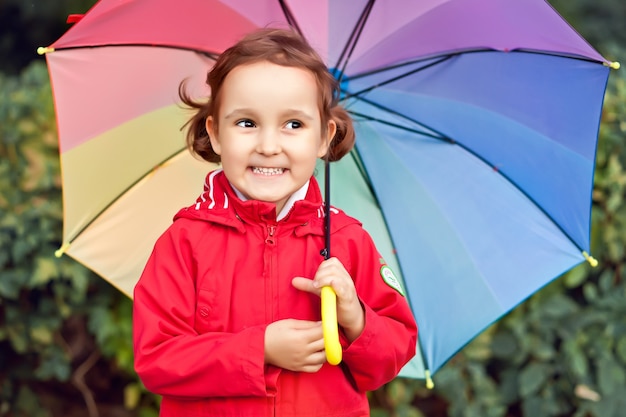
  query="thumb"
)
[{"x": 305, "y": 284}]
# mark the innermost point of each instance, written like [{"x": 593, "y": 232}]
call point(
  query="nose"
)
[{"x": 268, "y": 142}]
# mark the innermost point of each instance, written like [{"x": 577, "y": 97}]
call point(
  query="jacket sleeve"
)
[
  {"x": 389, "y": 338},
  {"x": 171, "y": 358}
]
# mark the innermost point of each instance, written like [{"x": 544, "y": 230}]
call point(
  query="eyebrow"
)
[
  {"x": 297, "y": 113},
  {"x": 287, "y": 113},
  {"x": 237, "y": 112}
]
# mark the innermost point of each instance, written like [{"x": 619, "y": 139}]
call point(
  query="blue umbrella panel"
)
[{"x": 475, "y": 172}]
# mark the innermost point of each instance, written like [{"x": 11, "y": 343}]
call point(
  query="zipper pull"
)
[{"x": 270, "y": 235}]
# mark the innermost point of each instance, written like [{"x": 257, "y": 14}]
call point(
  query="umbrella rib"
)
[
  {"x": 557, "y": 54},
  {"x": 211, "y": 55},
  {"x": 113, "y": 200},
  {"x": 479, "y": 157},
  {"x": 391, "y": 111},
  {"x": 291, "y": 20},
  {"x": 399, "y": 126},
  {"x": 464, "y": 52},
  {"x": 448, "y": 54},
  {"x": 342, "y": 61},
  {"x": 396, "y": 78}
]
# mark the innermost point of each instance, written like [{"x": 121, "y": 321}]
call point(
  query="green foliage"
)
[{"x": 58, "y": 320}]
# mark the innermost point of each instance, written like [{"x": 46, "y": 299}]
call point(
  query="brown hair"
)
[{"x": 281, "y": 47}]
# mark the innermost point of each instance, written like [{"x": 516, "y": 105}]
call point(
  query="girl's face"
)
[{"x": 270, "y": 130}]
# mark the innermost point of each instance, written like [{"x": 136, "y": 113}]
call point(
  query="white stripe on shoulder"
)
[
  {"x": 211, "y": 177},
  {"x": 321, "y": 211}
]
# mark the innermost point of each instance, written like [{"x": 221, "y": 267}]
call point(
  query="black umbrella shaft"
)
[{"x": 326, "y": 251}]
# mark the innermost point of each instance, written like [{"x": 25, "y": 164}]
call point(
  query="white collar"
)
[{"x": 296, "y": 196}]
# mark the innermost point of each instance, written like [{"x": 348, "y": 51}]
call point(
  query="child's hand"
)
[
  {"x": 296, "y": 345},
  {"x": 350, "y": 314}
]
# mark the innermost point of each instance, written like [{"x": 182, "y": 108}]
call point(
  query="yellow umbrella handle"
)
[{"x": 329, "y": 326}]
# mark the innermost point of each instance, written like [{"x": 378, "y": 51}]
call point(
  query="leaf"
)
[
  {"x": 611, "y": 377},
  {"x": 397, "y": 392},
  {"x": 509, "y": 386},
  {"x": 11, "y": 283},
  {"x": 379, "y": 412},
  {"x": 558, "y": 306},
  {"x": 405, "y": 410},
  {"x": 577, "y": 360},
  {"x": 620, "y": 350},
  {"x": 533, "y": 406},
  {"x": 17, "y": 336},
  {"x": 27, "y": 404},
  {"x": 575, "y": 277},
  {"x": 541, "y": 346},
  {"x": 590, "y": 292},
  {"x": 532, "y": 378},
  {"x": 45, "y": 270},
  {"x": 150, "y": 412},
  {"x": 606, "y": 281},
  {"x": 41, "y": 334},
  {"x": 54, "y": 365},
  {"x": 132, "y": 395},
  {"x": 20, "y": 251},
  {"x": 504, "y": 345}
]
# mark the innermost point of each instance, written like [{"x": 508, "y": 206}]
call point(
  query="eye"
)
[
  {"x": 247, "y": 123},
  {"x": 293, "y": 124}
]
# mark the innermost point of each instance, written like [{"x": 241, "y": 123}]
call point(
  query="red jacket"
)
[{"x": 221, "y": 273}]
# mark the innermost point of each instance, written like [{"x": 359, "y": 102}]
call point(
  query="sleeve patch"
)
[{"x": 390, "y": 279}]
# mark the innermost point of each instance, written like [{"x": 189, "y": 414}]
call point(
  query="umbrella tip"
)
[
  {"x": 613, "y": 65},
  {"x": 44, "y": 50},
  {"x": 59, "y": 252},
  {"x": 429, "y": 381},
  {"x": 592, "y": 261}
]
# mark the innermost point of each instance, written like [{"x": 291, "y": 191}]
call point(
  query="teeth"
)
[{"x": 267, "y": 171}]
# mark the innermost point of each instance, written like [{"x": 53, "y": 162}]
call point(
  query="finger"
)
[
  {"x": 331, "y": 272},
  {"x": 305, "y": 284},
  {"x": 315, "y": 359},
  {"x": 304, "y": 325},
  {"x": 332, "y": 263},
  {"x": 313, "y": 336},
  {"x": 311, "y": 369},
  {"x": 318, "y": 358},
  {"x": 317, "y": 345}
]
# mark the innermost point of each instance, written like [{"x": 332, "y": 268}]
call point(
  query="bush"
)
[{"x": 65, "y": 335}]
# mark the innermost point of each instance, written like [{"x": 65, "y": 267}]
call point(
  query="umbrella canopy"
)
[{"x": 476, "y": 124}]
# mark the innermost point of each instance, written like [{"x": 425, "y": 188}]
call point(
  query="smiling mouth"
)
[{"x": 267, "y": 171}]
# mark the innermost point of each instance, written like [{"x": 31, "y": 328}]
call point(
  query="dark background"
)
[{"x": 25, "y": 25}]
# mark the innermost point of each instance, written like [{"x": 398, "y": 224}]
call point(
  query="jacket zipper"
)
[
  {"x": 270, "y": 235},
  {"x": 270, "y": 241}
]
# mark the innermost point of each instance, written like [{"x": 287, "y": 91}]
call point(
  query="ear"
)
[
  {"x": 210, "y": 128},
  {"x": 331, "y": 129}
]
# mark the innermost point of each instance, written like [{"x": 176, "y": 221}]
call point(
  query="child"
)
[{"x": 227, "y": 311}]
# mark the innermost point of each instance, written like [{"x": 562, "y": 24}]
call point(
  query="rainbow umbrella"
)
[{"x": 476, "y": 123}]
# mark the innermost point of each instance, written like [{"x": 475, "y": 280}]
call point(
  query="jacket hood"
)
[{"x": 219, "y": 204}]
